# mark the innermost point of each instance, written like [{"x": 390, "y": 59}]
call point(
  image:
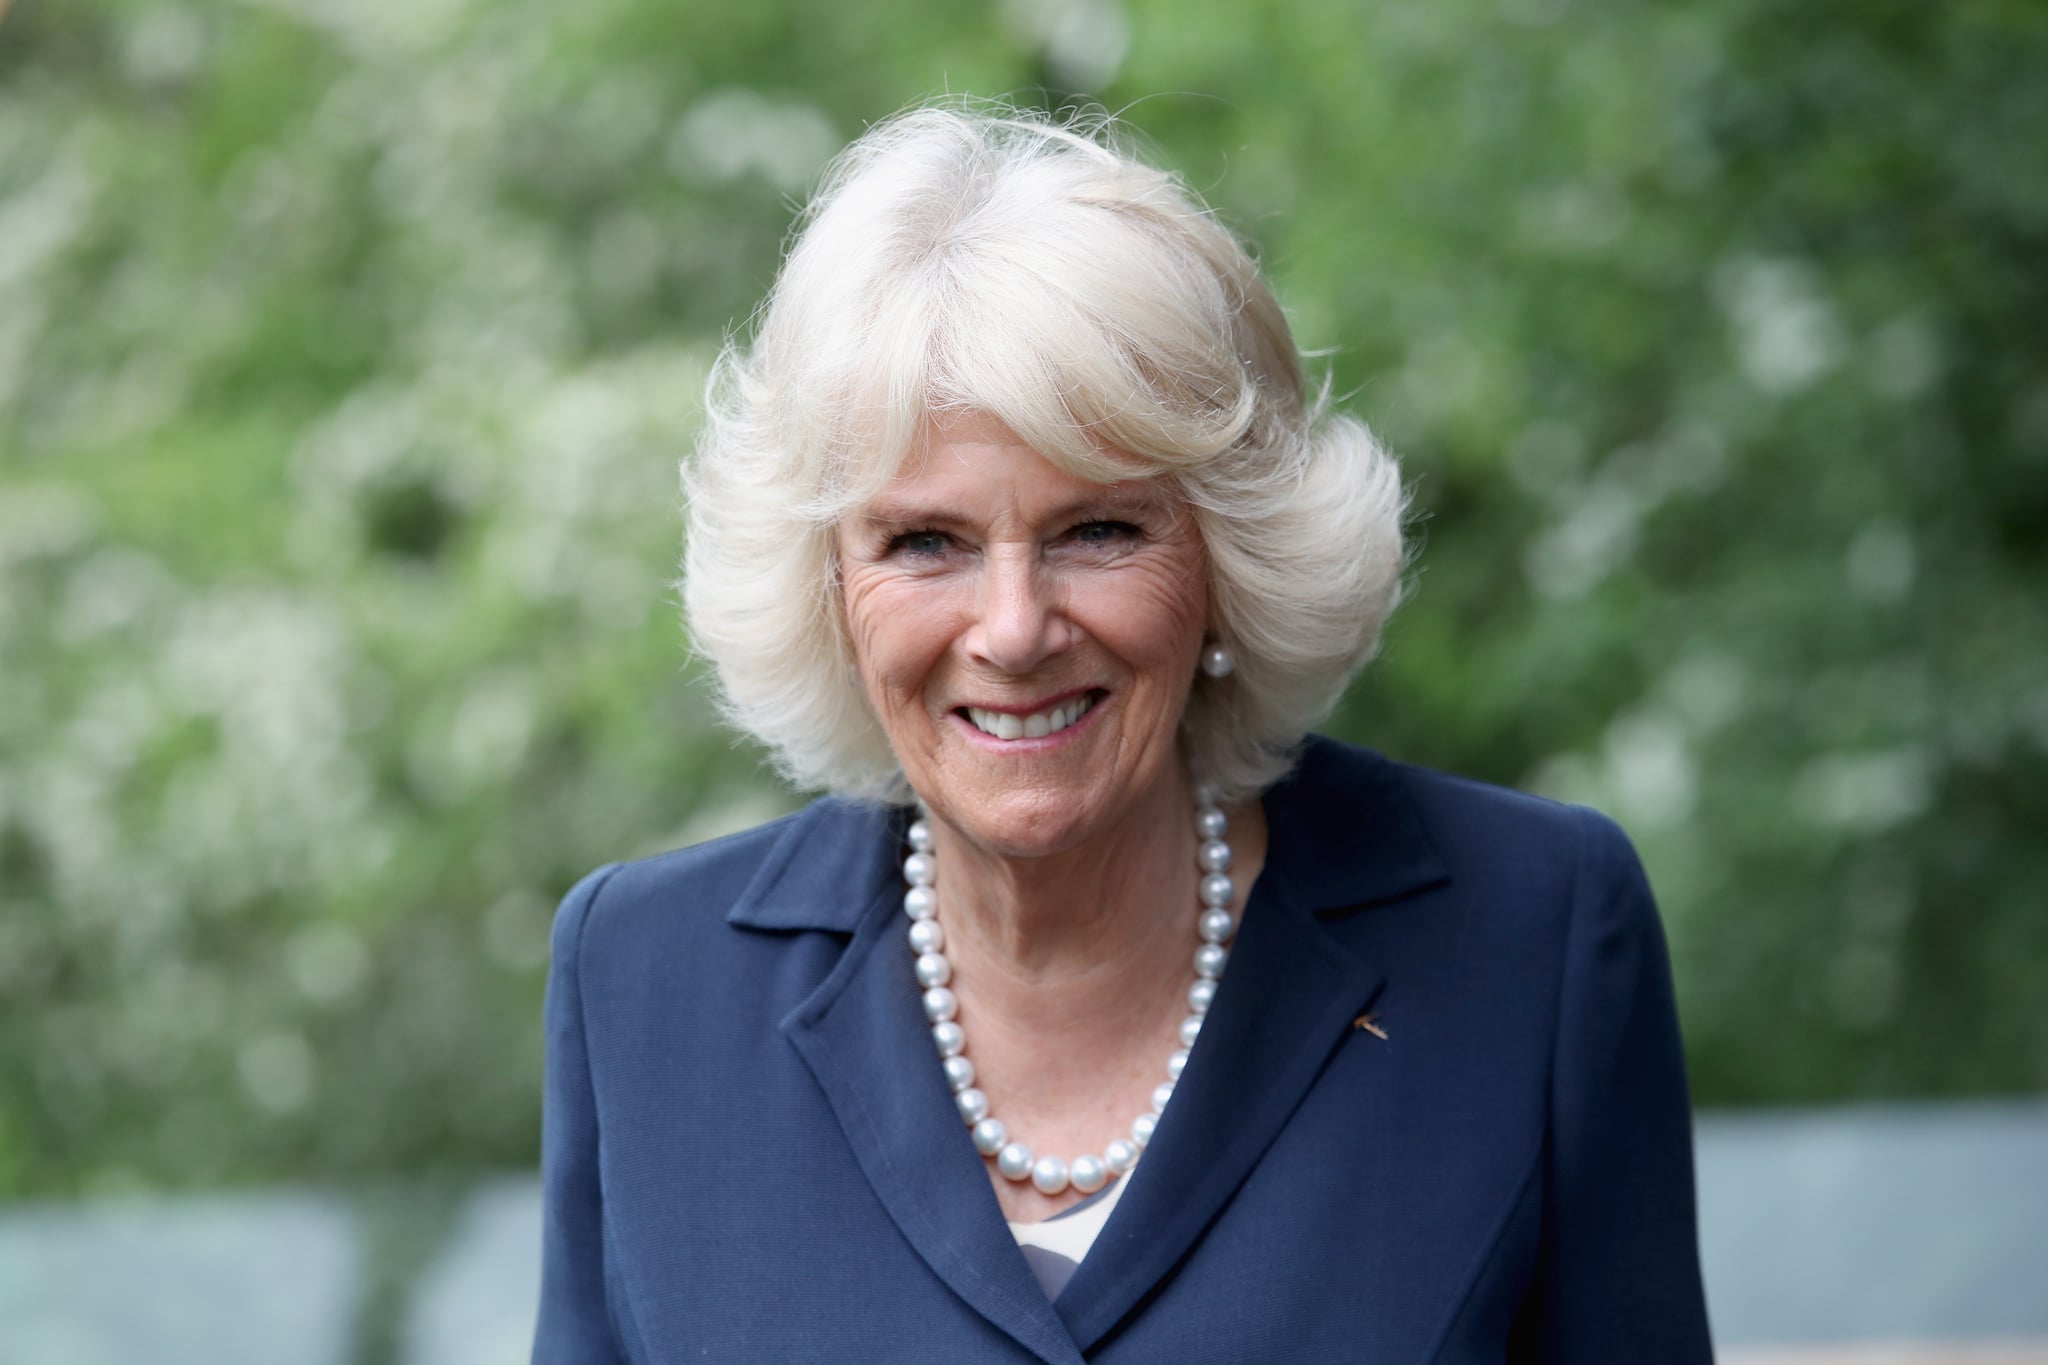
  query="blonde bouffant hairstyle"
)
[{"x": 965, "y": 259}]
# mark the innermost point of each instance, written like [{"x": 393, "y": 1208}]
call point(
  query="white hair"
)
[{"x": 959, "y": 260}]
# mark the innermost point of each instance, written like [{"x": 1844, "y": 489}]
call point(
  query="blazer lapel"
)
[
  {"x": 1289, "y": 997},
  {"x": 1342, "y": 836},
  {"x": 864, "y": 1037}
]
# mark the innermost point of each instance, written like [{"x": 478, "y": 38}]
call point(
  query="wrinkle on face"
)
[{"x": 985, "y": 575}]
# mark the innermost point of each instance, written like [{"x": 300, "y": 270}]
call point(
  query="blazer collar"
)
[
  {"x": 829, "y": 861},
  {"x": 1343, "y": 836},
  {"x": 1343, "y": 833}
]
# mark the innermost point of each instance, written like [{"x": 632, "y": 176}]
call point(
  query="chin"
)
[
  {"x": 1027, "y": 825},
  {"x": 1036, "y": 806}
]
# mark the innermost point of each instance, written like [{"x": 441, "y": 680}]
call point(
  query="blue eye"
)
[
  {"x": 1103, "y": 532},
  {"x": 919, "y": 544}
]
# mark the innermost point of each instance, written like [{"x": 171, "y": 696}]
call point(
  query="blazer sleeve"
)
[
  {"x": 575, "y": 1326},
  {"x": 1620, "y": 1277}
]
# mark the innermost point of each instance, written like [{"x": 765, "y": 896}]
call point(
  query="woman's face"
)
[{"x": 1028, "y": 638}]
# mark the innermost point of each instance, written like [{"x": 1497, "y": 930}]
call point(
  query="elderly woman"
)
[{"x": 1099, "y": 1013}]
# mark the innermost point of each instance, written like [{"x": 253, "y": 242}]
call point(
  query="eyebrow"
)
[{"x": 1110, "y": 503}]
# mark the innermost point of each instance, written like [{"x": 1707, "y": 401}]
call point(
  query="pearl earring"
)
[{"x": 1217, "y": 661}]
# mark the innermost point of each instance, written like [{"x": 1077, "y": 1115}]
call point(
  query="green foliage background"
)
[{"x": 347, "y": 347}]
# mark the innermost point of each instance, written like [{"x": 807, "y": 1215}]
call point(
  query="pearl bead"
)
[
  {"x": 1014, "y": 1161},
  {"x": 973, "y": 1106},
  {"x": 1217, "y": 661},
  {"x": 1205, "y": 793},
  {"x": 1215, "y": 927}
]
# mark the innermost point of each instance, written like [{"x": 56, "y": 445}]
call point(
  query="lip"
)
[
  {"x": 1032, "y": 708},
  {"x": 1044, "y": 743}
]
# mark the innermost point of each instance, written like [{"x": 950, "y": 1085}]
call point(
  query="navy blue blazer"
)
[{"x": 750, "y": 1153}]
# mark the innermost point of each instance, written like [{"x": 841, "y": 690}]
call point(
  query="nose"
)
[{"x": 1018, "y": 622}]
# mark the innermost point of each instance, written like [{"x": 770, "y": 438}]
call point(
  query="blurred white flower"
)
[
  {"x": 1866, "y": 790},
  {"x": 277, "y": 1072},
  {"x": 327, "y": 961},
  {"x": 1597, "y": 533},
  {"x": 1786, "y": 332},
  {"x": 1880, "y": 562},
  {"x": 737, "y": 132},
  {"x": 1084, "y": 42}
]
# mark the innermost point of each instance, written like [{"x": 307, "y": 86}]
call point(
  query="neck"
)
[
  {"x": 1074, "y": 972},
  {"x": 1071, "y": 943}
]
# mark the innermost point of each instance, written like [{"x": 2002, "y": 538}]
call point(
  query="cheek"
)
[
  {"x": 857, "y": 612},
  {"x": 896, "y": 628},
  {"x": 1157, "y": 615}
]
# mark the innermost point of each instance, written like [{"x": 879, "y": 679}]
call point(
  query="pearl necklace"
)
[{"x": 1089, "y": 1172}]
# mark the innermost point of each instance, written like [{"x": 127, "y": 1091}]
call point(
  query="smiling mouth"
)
[{"x": 1037, "y": 725}]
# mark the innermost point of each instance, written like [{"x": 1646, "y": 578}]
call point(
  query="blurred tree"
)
[{"x": 346, "y": 350}]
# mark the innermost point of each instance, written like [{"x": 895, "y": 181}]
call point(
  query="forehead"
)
[{"x": 975, "y": 462}]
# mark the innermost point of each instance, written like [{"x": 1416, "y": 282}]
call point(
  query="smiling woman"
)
[
  {"x": 1015, "y": 528},
  {"x": 955, "y": 266},
  {"x": 1028, "y": 646}
]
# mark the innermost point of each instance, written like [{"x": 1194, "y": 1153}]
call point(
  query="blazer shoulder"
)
[
  {"x": 1580, "y": 854},
  {"x": 1451, "y": 798},
  {"x": 1475, "y": 825},
  {"x": 706, "y": 877}
]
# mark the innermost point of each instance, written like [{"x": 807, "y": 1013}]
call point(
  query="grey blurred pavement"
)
[{"x": 1866, "y": 1236}]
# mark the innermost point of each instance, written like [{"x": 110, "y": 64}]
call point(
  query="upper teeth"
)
[{"x": 1037, "y": 725}]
